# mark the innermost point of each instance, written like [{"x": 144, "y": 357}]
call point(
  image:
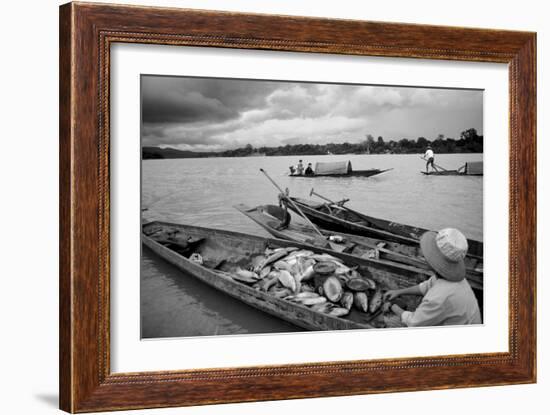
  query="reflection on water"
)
[{"x": 202, "y": 191}]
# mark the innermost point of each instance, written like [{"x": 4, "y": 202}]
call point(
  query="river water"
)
[{"x": 202, "y": 191}]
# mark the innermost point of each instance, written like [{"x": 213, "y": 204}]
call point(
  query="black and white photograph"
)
[{"x": 279, "y": 206}]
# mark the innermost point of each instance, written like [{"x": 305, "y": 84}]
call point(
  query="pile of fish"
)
[{"x": 290, "y": 274}]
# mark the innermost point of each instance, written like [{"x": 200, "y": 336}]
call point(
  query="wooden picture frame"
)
[{"x": 86, "y": 33}]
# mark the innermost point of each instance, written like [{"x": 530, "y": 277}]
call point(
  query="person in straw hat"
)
[{"x": 448, "y": 298}]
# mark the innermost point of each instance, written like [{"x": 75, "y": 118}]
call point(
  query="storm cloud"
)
[{"x": 215, "y": 114}]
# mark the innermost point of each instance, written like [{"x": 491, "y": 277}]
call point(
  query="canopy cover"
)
[
  {"x": 335, "y": 167},
  {"x": 474, "y": 167}
]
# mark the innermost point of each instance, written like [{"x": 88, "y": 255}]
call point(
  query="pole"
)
[
  {"x": 313, "y": 192},
  {"x": 439, "y": 167},
  {"x": 293, "y": 204}
]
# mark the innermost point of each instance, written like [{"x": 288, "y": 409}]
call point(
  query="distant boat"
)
[
  {"x": 338, "y": 169},
  {"x": 472, "y": 168}
]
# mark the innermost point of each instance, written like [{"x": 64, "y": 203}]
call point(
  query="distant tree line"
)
[{"x": 469, "y": 142}]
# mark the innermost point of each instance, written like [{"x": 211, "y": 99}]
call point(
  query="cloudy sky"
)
[{"x": 208, "y": 114}]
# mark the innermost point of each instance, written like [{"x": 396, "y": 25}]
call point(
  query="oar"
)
[
  {"x": 293, "y": 204},
  {"x": 439, "y": 167},
  {"x": 341, "y": 203}
]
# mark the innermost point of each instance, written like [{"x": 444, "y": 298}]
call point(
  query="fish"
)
[
  {"x": 244, "y": 276},
  {"x": 326, "y": 257},
  {"x": 281, "y": 292},
  {"x": 375, "y": 301},
  {"x": 342, "y": 269},
  {"x": 338, "y": 312},
  {"x": 332, "y": 289},
  {"x": 306, "y": 263},
  {"x": 270, "y": 259},
  {"x": 354, "y": 274},
  {"x": 274, "y": 273},
  {"x": 302, "y": 296},
  {"x": 361, "y": 301},
  {"x": 307, "y": 288},
  {"x": 257, "y": 260},
  {"x": 268, "y": 282},
  {"x": 371, "y": 282},
  {"x": 358, "y": 284},
  {"x": 293, "y": 262},
  {"x": 307, "y": 274},
  {"x": 347, "y": 300},
  {"x": 322, "y": 307},
  {"x": 386, "y": 306},
  {"x": 280, "y": 265},
  {"x": 270, "y": 251},
  {"x": 265, "y": 272},
  {"x": 313, "y": 300},
  {"x": 287, "y": 280},
  {"x": 299, "y": 254},
  {"x": 251, "y": 274},
  {"x": 295, "y": 269},
  {"x": 275, "y": 287},
  {"x": 343, "y": 278},
  {"x": 306, "y": 294}
]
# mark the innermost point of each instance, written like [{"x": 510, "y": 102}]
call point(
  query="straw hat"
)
[{"x": 445, "y": 252}]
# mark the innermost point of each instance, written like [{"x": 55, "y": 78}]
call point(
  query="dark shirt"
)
[{"x": 309, "y": 171}]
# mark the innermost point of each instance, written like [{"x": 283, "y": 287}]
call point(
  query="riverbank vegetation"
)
[{"x": 469, "y": 142}]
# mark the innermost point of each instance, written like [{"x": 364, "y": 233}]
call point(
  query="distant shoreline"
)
[
  {"x": 295, "y": 155},
  {"x": 469, "y": 142}
]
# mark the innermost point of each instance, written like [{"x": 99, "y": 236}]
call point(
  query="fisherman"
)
[
  {"x": 285, "y": 221},
  {"x": 429, "y": 157},
  {"x": 309, "y": 170},
  {"x": 300, "y": 168},
  {"x": 448, "y": 298}
]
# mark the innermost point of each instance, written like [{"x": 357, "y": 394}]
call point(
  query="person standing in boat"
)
[
  {"x": 429, "y": 157},
  {"x": 309, "y": 170},
  {"x": 300, "y": 168},
  {"x": 448, "y": 298}
]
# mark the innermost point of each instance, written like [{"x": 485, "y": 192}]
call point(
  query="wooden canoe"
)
[
  {"x": 342, "y": 219},
  {"x": 353, "y": 173},
  {"x": 449, "y": 173},
  {"x": 218, "y": 247},
  {"x": 471, "y": 168},
  {"x": 270, "y": 217}
]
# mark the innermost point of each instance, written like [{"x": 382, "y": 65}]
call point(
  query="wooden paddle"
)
[{"x": 293, "y": 204}]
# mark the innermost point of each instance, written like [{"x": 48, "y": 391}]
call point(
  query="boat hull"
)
[
  {"x": 361, "y": 224},
  {"x": 355, "y": 173},
  {"x": 449, "y": 173},
  {"x": 270, "y": 220},
  {"x": 393, "y": 277}
]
